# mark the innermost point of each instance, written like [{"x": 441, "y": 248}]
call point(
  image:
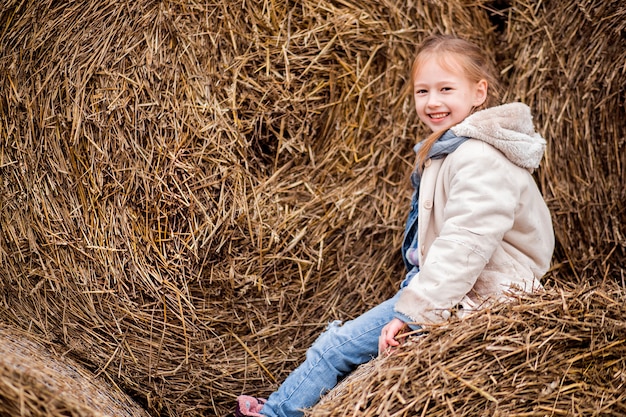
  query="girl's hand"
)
[{"x": 387, "y": 339}]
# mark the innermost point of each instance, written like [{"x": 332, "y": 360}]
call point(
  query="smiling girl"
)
[{"x": 477, "y": 230}]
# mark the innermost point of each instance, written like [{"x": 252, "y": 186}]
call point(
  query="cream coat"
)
[{"x": 483, "y": 227}]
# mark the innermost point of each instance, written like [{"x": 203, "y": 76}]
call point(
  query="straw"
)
[{"x": 191, "y": 190}]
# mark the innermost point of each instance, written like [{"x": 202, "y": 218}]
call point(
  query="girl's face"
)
[{"x": 444, "y": 96}]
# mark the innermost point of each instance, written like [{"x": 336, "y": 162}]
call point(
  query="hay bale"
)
[
  {"x": 35, "y": 381},
  {"x": 566, "y": 60},
  {"x": 191, "y": 190},
  {"x": 555, "y": 353}
]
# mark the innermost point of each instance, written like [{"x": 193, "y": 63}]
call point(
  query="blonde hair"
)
[{"x": 457, "y": 55}]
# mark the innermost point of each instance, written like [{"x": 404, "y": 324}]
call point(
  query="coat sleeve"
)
[{"x": 481, "y": 199}]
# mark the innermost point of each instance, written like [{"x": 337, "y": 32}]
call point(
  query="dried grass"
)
[
  {"x": 557, "y": 353},
  {"x": 190, "y": 190},
  {"x": 568, "y": 61},
  {"x": 35, "y": 381}
]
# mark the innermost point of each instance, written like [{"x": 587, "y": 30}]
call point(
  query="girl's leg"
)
[{"x": 337, "y": 352}]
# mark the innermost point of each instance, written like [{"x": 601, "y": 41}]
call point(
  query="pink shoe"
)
[{"x": 249, "y": 406}]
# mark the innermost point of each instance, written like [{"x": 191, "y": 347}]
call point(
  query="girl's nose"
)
[{"x": 433, "y": 100}]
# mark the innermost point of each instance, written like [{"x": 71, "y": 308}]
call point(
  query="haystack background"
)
[{"x": 190, "y": 189}]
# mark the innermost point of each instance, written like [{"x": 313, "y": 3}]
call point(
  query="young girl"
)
[{"x": 483, "y": 228}]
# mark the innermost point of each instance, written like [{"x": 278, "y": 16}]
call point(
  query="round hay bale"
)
[
  {"x": 193, "y": 189},
  {"x": 34, "y": 381},
  {"x": 554, "y": 353},
  {"x": 567, "y": 61}
]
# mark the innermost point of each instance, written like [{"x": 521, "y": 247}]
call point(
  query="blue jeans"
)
[{"x": 335, "y": 353}]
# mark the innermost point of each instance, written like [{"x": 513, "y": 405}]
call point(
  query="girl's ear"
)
[{"x": 481, "y": 93}]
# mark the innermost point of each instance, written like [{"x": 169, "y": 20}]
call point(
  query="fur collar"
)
[{"x": 509, "y": 128}]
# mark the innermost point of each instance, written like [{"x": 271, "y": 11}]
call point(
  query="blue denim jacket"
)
[{"x": 410, "y": 229}]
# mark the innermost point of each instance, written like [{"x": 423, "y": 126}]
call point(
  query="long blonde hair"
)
[{"x": 457, "y": 55}]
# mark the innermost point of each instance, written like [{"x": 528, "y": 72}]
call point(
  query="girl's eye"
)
[
  {"x": 446, "y": 89},
  {"x": 421, "y": 91}
]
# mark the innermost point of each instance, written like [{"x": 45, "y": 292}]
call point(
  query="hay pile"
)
[
  {"x": 568, "y": 62},
  {"x": 559, "y": 353},
  {"x": 37, "y": 382},
  {"x": 191, "y": 189}
]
